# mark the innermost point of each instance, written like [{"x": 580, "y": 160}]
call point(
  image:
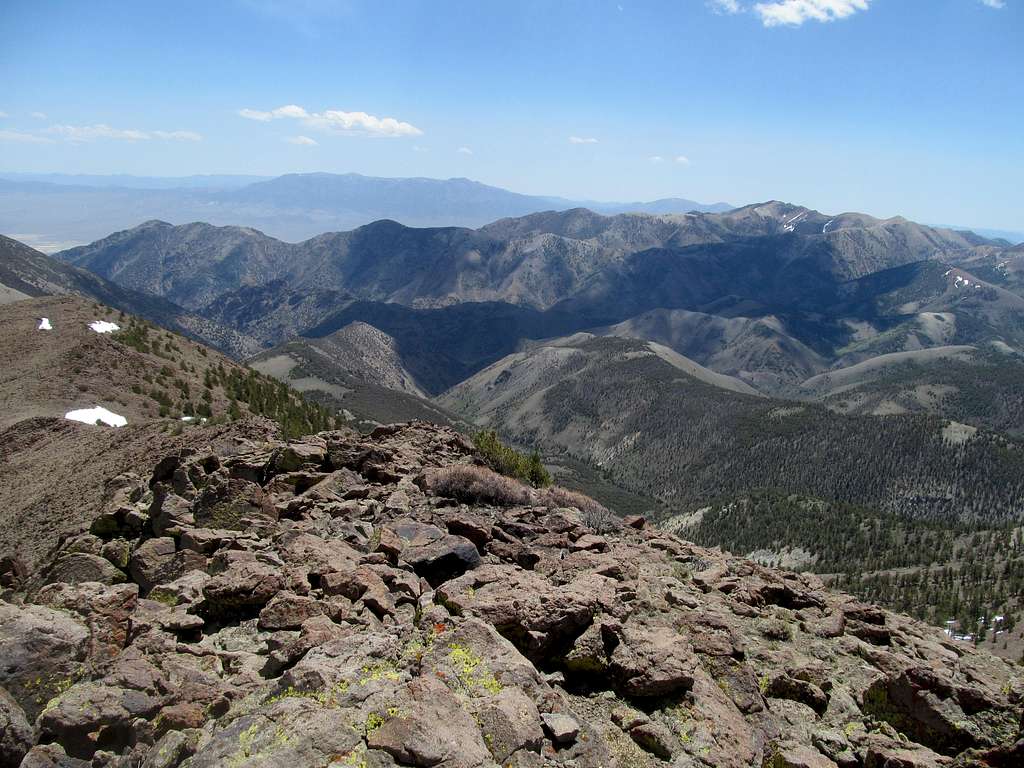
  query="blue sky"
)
[{"x": 912, "y": 107}]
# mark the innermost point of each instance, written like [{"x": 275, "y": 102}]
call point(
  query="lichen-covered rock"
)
[{"x": 43, "y": 651}]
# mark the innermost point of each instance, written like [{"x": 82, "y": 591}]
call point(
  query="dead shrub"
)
[
  {"x": 595, "y": 515},
  {"x": 479, "y": 485}
]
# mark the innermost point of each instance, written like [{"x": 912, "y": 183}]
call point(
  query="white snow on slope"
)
[
  {"x": 44, "y": 324},
  {"x": 97, "y": 413},
  {"x": 102, "y": 326}
]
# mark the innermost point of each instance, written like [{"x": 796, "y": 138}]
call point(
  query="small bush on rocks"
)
[
  {"x": 508, "y": 461},
  {"x": 595, "y": 514},
  {"x": 479, "y": 485}
]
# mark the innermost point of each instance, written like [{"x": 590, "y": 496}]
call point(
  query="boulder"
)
[
  {"x": 43, "y": 652},
  {"x": 91, "y": 716},
  {"x": 232, "y": 503},
  {"x": 799, "y": 756},
  {"x": 15, "y": 732},
  {"x": 652, "y": 661},
  {"x": 412, "y": 735},
  {"x": 443, "y": 559},
  {"x": 655, "y": 738},
  {"x": 510, "y": 722},
  {"x": 288, "y": 611},
  {"x": 79, "y": 567},
  {"x": 563, "y": 729},
  {"x": 52, "y": 756}
]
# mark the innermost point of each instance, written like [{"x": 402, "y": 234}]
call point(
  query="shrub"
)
[
  {"x": 595, "y": 514},
  {"x": 508, "y": 461},
  {"x": 479, "y": 485}
]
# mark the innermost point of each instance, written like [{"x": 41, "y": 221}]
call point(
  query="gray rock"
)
[
  {"x": 509, "y": 723},
  {"x": 43, "y": 651},
  {"x": 562, "y": 728},
  {"x": 79, "y": 567}
]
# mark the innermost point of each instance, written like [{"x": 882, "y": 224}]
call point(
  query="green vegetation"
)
[
  {"x": 937, "y": 569},
  {"x": 474, "y": 678},
  {"x": 244, "y": 390},
  {"x": 685, "y": 443},
  {"x": 508, "y": 461}
]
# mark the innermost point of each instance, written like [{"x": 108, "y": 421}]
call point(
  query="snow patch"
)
[
  {"x": 97, "y": 413},
  {"x": 44, "y": 324},
  {"x": 103, "y": 326}
]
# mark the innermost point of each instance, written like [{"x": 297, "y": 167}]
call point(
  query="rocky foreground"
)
[{"x": 383, "y": 600}]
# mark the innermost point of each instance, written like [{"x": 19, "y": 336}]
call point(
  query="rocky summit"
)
[{"x": 383, "y": 600}]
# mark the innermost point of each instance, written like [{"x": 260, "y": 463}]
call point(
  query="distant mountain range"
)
[
  {"x": 55, "y": 211},
  {"x": 669, "y": 364},
  {"x": 852, "y": 316}
]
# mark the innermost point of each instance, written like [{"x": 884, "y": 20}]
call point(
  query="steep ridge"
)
[
  {"x": 358, "y": 372},
  {"x": 332, "y": 600},
  {"x": 26, "y": 272},
  {"x": 758, "y": 351}
]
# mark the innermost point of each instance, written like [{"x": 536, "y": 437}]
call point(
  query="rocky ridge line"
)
[{"x": 344, "y": 600}]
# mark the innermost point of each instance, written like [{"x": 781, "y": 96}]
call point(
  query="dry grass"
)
[
  {"x": 473, "y": 484},
  {"x": 479, "y": 485}
]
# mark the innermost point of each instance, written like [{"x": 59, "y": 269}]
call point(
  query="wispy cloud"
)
[
  {"x": 336, "y": 121},
  {"x": 177, "y": 135},
  {"x": 994, "y": 3},
  {"x": 82, "y": 133},
  {"x": 657, "y": 159},
  {"x": 38, "y": 115},
  {"x": 464, "y": 151},
  {"x": 682, "y": 160},
  {"x": 725, "y": 6},
  {"x": 796, "y": 12},
  {"x": 24, "y": 138},
  {"x": 582, "y": 140},
  {"x": 3, "y": 114},
  {"x": 302, "y": 141}
]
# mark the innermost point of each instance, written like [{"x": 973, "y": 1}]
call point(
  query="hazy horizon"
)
[{"x": 841, "y": 105}]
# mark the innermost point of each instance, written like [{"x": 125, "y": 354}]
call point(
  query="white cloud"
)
[
  {"x": 302, "y": 141},
  {"x": 418, "y": 148},
  {"x": 178, "y": 135},
  {"x": 725, "y": 6},
  {"x": 582, "y": 140},
  {"x": 994, "y": 3},
  {"x": 657, "y": 159},
  {"x": 38, "y": 115},
  {"x": 464, "y": 151},
  {"x": 336, "y": 121},
  {"x": 3, "y": 114},
  {"x": 81, "y": 133},
  {"x": 24, "y": 138},
  {"x": 796, "y": 12},
  {"x": 682, "y": 160}
]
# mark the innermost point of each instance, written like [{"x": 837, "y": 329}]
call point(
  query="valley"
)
[{"x": 662, "y": 362}]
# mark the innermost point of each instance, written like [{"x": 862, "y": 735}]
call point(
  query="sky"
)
[{"x": 909, "y": 107}]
